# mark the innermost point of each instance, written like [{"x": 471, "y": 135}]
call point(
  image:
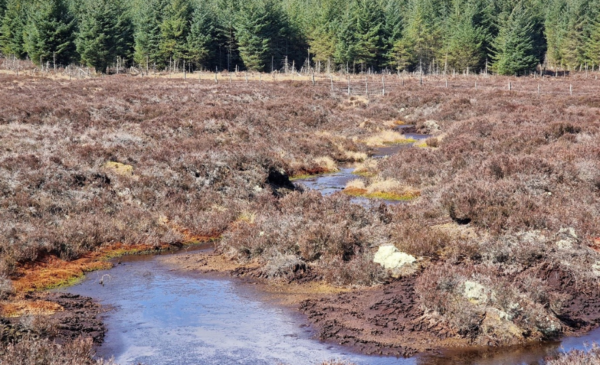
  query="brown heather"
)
[{"x": 510, "y": 188}]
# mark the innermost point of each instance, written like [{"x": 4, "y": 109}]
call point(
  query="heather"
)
[{"x": 501, "y": 201}]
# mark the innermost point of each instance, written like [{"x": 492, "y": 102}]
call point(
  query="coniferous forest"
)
[{"x": 503, "y": 36}]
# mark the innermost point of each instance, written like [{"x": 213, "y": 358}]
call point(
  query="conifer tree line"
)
[{"x": 503, "y": 36}]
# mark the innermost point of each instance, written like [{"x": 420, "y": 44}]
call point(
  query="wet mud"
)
[
  {"x": 76, "y": 316},
  {"x": 383, "y": 321}
]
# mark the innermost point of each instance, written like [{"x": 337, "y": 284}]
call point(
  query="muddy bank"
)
[
  {"x": 384, "y": 321},
  {"x": 164, "y": 315},
  {"x": 388, "y": 320},
  {"x": 60, "y": 316}
]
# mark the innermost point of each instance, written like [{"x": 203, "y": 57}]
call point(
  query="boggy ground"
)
[{"x": 504, "y": 225}]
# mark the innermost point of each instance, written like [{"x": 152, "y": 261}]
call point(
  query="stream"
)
[
  {"x": 160, "y": 315},
  {"x": 334, "y": 182}
]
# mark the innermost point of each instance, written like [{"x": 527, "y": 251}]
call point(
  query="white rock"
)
[
  {"x": 389, "y": 257},
  {"x": 474, "y": 291},
  {"x": 596, "y": 268},
  {"x": 564, "y": 244},
  {"x": 432, "y": 126}
]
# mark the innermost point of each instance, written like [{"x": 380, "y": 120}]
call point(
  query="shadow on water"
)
[{"x": 164, "y": 316}]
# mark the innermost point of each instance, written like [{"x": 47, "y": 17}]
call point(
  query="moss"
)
[
  {"x": 363, "y": 173},
  {"x": 302, "y": 176},
  {"x": 363, "y": 193},
  {"x": 52, "y": 272},
  {"x": 401, "y": 141}
]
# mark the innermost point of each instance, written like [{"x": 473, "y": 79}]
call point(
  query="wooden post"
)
[
  {"x": 383, "y": 85},
  {"x": 367, "y": 86},
  {"x": 571, "y": 89},
  {"x": 246, "y": 77},
  {"x": 216, "y": 80},
  {"x": 313, "y": 78},
  {"x": 184, "y": 71},
  {"x": 509, "y": 86},
  {"x": 348, "y": 85},
  {"x": 331, "y": 80},
  {"x": 538, "y": 89},
  {"x": 446, "y": 83}
]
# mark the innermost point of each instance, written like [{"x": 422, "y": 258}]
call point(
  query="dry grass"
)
[
  {"x": 386, "y": 137},
  {"x": 388, "y": 189}
]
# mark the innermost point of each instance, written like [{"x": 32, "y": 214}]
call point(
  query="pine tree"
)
[
  {"x": 105, "y": 33},
  {"x": 593, "y": 44},
  {"x": 227, "y": 14},
  {"x": 201, "y": 40},
  {"x": 148, "y": 34},
  {"x": 260, "y": 28},
  {"x": 174, "y": 30},
  {"x": 322, "y": 30},
  {"x": 49, "y": 32},
  {"x": 421, "y": 40},
  {"x": 464, "y": 49},
  {"x": 514, "y": 48},
  {"x": 12, "y": 29},
  {"x": 368, "y": 46},
  {"x": 555, "y": 28},
  {"x": 393, "y": 27},
  {"x": 573, "y": 45}
]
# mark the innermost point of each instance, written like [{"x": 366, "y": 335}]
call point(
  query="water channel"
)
[{"x": 161, "y": 315}]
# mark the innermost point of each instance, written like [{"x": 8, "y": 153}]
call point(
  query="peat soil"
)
[
  {"x": 388, "y": 321},
  {"x": 79, "y": 316}
]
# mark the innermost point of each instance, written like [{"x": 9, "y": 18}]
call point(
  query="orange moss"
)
[
  {"x": 29, "y": 307},
  {"x": 363, "y": 193},
  {"x": 51, "y": 271}
]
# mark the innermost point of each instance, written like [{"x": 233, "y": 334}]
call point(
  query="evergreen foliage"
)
[
  {"x": 354, "y": 35},
  {"x": 202, "y": 38},
  {"x": 105, "y": 33},
  {"x": 50, "y": 32},
  {"x": 514, "y": 43},
  {"x": 12, "y": 28}
]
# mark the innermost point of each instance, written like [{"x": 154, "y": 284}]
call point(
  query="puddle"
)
[{"x": 164, "y": 316}]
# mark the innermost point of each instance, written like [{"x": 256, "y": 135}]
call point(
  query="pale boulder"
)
[
  {"x": 399, "y": 263},
  {"x": 475, "y": 292}
]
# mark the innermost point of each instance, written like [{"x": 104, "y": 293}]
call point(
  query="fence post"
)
[
  {"x": 571, "y": 89},
  {"x": 313, "y": 78},
  {"x": 367, "y": 86},
  {"x": 509, "y": 86},
  {"x": 216, "y": 80},
  {"x": 446, "y": 83},
  {"x": 184, "y": 71},
  {"x": 331, "y": 79},
  {"x": 538, "y": 89},
  {"x": 348, "y": 85},
  {"x": 246, "y": 76},
  {"x": 383, "y": 85}
]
